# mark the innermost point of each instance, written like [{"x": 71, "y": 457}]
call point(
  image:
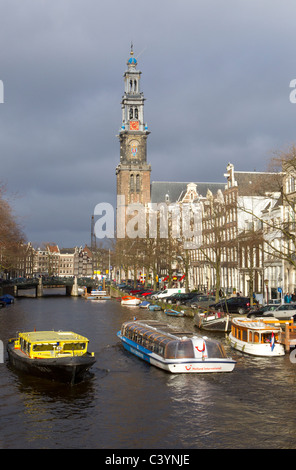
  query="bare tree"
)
[{"x": 11, "y": 236}]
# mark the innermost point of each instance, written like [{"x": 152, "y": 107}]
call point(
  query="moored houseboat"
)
[
  {"x": 55, "y": 355},
  {"x": 172, "y": 350},
  {"x": 257, "y": 337},
  {"x": 213, "y": 321}
]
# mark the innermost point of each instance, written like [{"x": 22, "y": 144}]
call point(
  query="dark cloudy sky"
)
[{"x": 215, "y": 74}]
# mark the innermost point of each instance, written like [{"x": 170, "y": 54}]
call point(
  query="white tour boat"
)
[
  {"x": 259, "y": 337},
  {"x": 172, "y": 350},
  {"x": 130, "y": 300}
]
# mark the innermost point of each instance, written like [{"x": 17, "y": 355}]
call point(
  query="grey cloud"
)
[{"x": 215, "y": 74}]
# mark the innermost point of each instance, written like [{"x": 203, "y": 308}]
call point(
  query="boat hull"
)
[
  {"x": 179, "y": 365},
  {"x": 255, "y": 349},
  {"x": 174, "y": 313},
  {"x": 154, "y": 308},
  {"x": 71, "y": 369},
  {"x": 98, "y": 297},
  {"x": 212, "y": 323},
  {"x": 132, "y": 301}
]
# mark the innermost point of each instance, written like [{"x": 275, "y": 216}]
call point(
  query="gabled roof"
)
[
  {"x": 255, "y": 183},
  {"x": 170, "y": 191},
  {"x": 53, "y": 248}
]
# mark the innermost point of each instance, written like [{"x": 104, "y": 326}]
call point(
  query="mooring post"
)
[
  {"x": 287, "y": 337},
  {"x": 39, "y": 288},
  {"x": 74, "y": 290}
]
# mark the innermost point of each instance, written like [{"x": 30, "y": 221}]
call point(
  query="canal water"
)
[{"x": 128, "y": 404}]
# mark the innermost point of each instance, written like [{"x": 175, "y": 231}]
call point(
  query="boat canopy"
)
[{"x": 43, "y": 343}]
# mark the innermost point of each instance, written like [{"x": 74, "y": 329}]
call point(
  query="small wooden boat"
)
[
  {"x": 257, "y": 337},
  {"x": 154, "y": 308},
  {"x": 130, "y": 300},
  {"x": 213, "y": 321},
  {"x": 144, "y": 304},
  {"x": 173, "y": 313},
  {"x": 173, "y": 350},
  {"x": 55, "y": 355}
]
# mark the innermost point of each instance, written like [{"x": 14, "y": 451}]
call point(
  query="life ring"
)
[{"x": 201, "y": 350}]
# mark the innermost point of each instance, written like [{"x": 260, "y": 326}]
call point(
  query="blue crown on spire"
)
[{"x": 132, "y": 61}]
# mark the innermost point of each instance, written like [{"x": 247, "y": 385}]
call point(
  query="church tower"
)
[{"x": 133, "y": 172}]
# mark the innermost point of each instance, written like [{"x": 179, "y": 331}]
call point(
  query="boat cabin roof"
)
[
  {"x": 268, "y": 324},
  {"x": 51, "y": 336},
  {"x": 163, "y": 328}
]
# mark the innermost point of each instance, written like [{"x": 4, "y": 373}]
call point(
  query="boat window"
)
[
  {"x": 266, "y": 338},
  {"x": 185, "y": 349},
  {"x": 215, "y": 349},
  {"x": 25, "y": 346},
  {"x": 250, "y": 337},
  {"x": 171, "y": 350},
  {"x": 44, "y": 347},
  {"x": 256, "y": 337},
  {"x": 244, "y": 335},
  {"x": 72, "y": 346}
]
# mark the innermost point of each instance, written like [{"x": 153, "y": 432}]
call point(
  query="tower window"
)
[
  {"x": 132, "y": 184},
  {"x": 131, "y": 113},
  {"x": 136, "y": 113},
  {"x": 138, "y": 183}
]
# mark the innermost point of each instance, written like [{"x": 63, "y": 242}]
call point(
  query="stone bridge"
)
[{"x": 39, "y": 284}]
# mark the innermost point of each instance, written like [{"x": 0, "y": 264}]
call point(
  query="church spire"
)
[{"x": 133, "y": 171}]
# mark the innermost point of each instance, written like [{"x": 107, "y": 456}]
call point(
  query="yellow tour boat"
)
[{"x": 56, "y": 355}]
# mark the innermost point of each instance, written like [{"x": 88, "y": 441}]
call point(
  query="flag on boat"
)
[{"x": 272, "y": 341}]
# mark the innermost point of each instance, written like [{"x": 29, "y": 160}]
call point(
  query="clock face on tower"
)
[
  {"x": 134, "y": 125},
  {"x": 134, "y": 148}
]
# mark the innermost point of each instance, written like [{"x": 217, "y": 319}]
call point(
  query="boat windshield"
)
[
  {"x": 179, "y": 349},
  {"x": 215, "y": 349}
]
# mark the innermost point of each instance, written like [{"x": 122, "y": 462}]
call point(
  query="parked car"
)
[
  {"x": 201, "y": 301},
  {"x": 233, "y": 305},
  {"x": 164, "y": 294},
  {"x": 146, "y": 293},
  {"x": 155, "y": 294},
  {"x": 179, "y": 298},
  {"x": 262, "y": 310},
  {"x": 282, "y": 312}
]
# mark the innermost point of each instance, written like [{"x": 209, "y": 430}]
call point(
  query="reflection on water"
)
[{"x": 126, "y": 403}]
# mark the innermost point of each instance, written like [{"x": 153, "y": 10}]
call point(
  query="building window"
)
[
  {"x": 132, "y": 184},
  {"x": 138, "y": 184}
]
